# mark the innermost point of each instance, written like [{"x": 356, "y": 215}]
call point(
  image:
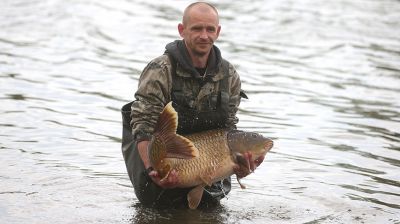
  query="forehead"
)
[
  {"x": 202, "y": 15},
  {"x": 202, "y": 21}
]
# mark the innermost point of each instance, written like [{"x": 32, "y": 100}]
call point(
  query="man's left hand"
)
[{"x": 246, "y": 164}]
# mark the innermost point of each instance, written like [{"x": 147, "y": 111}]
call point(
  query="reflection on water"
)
[
  {"x": 323, "y": 80},
  {"x": 205, "y": 215}
]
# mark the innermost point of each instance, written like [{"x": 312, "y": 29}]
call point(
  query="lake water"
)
[{"x": 323, "y": 80}]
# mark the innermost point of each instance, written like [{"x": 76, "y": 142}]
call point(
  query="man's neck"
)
[{"x": 199, "y": 61}]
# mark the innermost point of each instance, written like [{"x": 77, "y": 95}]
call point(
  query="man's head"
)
[{"x": 199, "y": 28}]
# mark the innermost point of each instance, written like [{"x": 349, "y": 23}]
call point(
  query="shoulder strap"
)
[
  {"x": 223, "y": 96},
  {"x": 173, "y": 63},
  {"x": 224, "y": 81},
  {"x": 176, "y": 83},
  {"x": 177, "y": 95}
]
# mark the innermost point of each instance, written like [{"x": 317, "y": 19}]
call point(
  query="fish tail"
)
[{"x": 166, "y": 143}]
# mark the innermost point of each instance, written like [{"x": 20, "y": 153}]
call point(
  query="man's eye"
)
[{"x": 211, "y": 29}]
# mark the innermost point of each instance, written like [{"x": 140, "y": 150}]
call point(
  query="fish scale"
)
[{"x": 210, "y": 156}]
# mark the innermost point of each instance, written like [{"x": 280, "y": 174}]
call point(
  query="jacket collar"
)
[{"x": 185, "y": 68}]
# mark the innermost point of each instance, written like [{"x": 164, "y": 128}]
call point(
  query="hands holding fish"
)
[
  {"x": 171, "y": 181},
  {"x": 246, "y": 164}
]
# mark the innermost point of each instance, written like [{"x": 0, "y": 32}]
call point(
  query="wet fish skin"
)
[{"x": 202, "y": 158}]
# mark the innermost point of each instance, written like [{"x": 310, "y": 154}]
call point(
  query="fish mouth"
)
[{"x": 268, "y": 145}]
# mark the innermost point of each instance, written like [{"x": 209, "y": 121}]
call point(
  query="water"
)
[{"x": 323, "y": 79}]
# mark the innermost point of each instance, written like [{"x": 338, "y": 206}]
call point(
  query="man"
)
[{"x": 205, "y": 91}]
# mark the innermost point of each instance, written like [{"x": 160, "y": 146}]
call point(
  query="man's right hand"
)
[{"x": 171, "y": 181}]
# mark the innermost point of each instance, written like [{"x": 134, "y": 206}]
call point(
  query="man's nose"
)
[{"x": 204, "y": 34}]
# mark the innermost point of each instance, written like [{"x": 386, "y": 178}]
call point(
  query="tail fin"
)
[{"x": 166, "y": 139}]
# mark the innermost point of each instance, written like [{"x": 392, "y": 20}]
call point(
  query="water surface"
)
[{"x": 323, "y": 78}]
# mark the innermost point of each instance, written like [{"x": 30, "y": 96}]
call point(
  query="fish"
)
[{"x": 200, "y": 158}]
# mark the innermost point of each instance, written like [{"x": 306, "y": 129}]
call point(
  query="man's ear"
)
[
  {"x": 181, "y": 29},
  {"x": 218, "y": 30}
]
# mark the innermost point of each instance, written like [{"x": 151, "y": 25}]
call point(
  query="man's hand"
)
[
  {"x": 246, "y": 165},
  {"x": 171, "y": 181}
]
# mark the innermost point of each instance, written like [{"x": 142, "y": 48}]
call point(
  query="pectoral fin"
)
[
  {"x": 194, "y": 196},
  {"x": 180, "y": 147}
]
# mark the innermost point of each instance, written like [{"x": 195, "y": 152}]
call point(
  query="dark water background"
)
[{"x": 323, "y": 79}]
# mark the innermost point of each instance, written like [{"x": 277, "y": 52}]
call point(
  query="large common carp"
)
[{"x": 201, "y": 158}]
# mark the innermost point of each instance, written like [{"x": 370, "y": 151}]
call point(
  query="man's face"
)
[{"x": 200, "y": 32}]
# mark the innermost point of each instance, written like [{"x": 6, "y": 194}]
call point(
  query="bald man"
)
[{"x": 205, "y": 91}]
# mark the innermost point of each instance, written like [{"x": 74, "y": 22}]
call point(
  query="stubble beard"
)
[{"x": 201, "y": 52}]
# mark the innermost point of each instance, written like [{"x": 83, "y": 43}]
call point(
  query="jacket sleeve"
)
[
  {"x": 234, "y": 99},
  {"x": 152, "y": 95}
]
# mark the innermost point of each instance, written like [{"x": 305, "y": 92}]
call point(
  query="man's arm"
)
[{"x": 152, "y": 94}]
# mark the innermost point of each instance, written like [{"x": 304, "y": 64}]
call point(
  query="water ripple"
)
[{"x": 322, "y": 80}]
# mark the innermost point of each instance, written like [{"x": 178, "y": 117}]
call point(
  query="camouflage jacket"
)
[{"x": 155, "y": 85}]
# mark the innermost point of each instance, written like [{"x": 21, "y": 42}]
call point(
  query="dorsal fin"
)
[{"x": 176, "y": 146}]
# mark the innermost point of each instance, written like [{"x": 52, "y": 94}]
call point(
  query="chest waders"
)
[{"x": 189, "y": 120}]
